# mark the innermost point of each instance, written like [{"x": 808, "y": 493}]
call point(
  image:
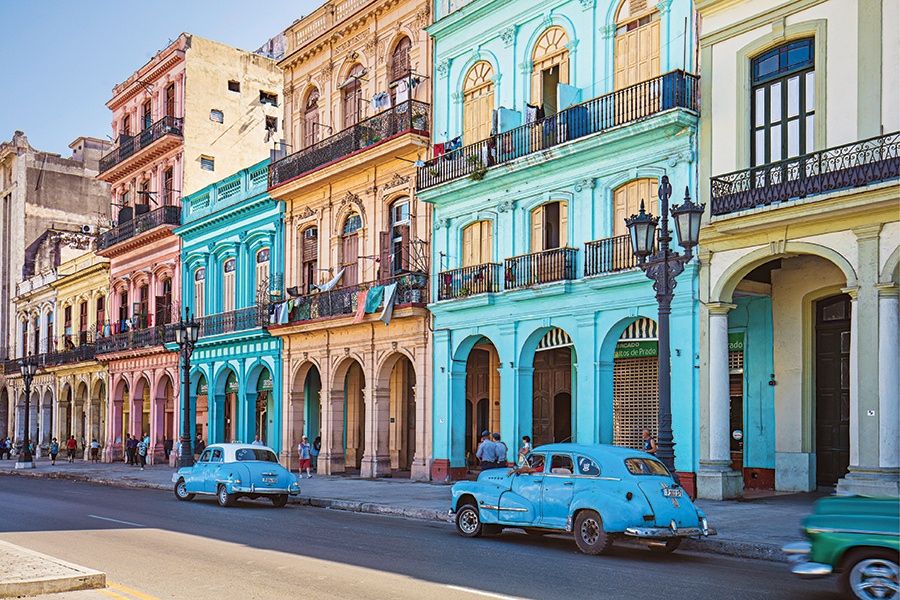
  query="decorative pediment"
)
[{"x": 396, "y": 181}]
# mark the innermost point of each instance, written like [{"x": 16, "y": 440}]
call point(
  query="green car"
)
[{"x": 857, "y": 537}]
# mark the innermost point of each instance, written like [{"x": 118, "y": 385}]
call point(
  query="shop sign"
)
[
  {"x": 736, "y": 341},
  {"x": 636, "y": 349},
  {"x": 265, "y": 384}
]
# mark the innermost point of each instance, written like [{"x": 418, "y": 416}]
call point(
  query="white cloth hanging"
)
[{"x": 402, "y": 91}]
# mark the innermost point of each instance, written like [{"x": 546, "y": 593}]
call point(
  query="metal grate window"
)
[
  {"x": 635, "y": 400},
  {"x": 736, "y": 361}
]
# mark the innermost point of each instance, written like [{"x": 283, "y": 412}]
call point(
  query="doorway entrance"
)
[{"x": 832, "y": 356}]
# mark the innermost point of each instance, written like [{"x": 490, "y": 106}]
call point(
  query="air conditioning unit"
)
[{"x": 88, "y": 229}]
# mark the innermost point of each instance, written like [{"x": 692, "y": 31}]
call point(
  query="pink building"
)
[{"x": 172, "y": 138}]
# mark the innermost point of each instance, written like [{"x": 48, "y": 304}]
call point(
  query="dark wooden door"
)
[
  {"x": 552, "y": 396},
  {"x": 832, "y": 389},
  {"x": 350, "y": 260}
]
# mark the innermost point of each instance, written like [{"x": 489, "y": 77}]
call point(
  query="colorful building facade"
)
[
  {"x": 232, "y": 251},
  {"x": 555, "y": 128},
  {"x": 358, "y": 90},
  {"x": 197, "y": 108},
  {"x": 799, "y": 263}
]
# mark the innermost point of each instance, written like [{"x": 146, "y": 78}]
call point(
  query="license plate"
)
[
  {"x": 270, "y": 480},
  {"x": 672, "y": 493}
]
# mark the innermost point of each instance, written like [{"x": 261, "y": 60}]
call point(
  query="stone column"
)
[
  {"x": 376, "y": 461},
  {"x": 888, "y": 376},
  {"x": 331, "y": 457},
  {"x": 420, "y": 467},
  {"x": 156, "y": 453},
  {"x": 716, "y": 480},
  {"x": 293, "y": 428}
]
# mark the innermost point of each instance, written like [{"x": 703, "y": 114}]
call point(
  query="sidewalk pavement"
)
[
  {"x": 751, "y": 528},
  {"x": 24, "y": 572}
]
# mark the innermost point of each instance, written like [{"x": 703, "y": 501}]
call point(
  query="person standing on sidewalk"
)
[
  {"x": 199, "y": 446},
  {"x": 524, "y": 450},
  {"x": 314, "y": 453},
  {"x": 129, "y": 449},
  {"x": 95, "y": 451},
  {"x": 303, "y": 449},
  {"x": 54, "y": 451},
  {"x": 142, "y": 453},
  {"x": 500, "y": 450},
  {"x": 486, "y": 453},
  {"x": 649, "y": 442},
  {"x": 71, "y": 446}
]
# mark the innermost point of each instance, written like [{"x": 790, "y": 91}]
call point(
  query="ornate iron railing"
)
[
  {"x": 12, "y": 366},
  {"x": 608, "y": 255},
  {"x": 235, "y": 320},
  {"x": 405, "y": 116},
  {"x": 467, "y": 281},
  {"x": 539, "y": 267},
  {"x": 412, "y": 288},
  {"x": 82, "y": 353},
  {"x": 851, "y": 165},
  {"x": 675, "y": 89},
  {"x": 164, "y": 215},
  {"x": 139, "y": 338},
  {"x": 129, "y": 145}
]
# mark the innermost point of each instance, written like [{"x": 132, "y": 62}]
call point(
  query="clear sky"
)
[{"x": 59, "y": 59}]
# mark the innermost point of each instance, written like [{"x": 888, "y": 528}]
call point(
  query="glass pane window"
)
[{"x": 353, "y": 223}]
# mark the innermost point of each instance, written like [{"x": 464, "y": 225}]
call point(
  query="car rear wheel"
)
[
  {"x": 468, "y": 521},
  {"x": 666, "y": 546},
  {"x": 225, "y": 499},
  {"x": 590, "y": 537},
  {"x": 870, "y": 573},
  {"x": 181, "y": 491},
  {"x": 279, "y": 500}
]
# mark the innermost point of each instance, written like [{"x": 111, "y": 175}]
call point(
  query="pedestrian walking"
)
[
  {"x": 500, "y": 450},
  {"x": 199, "y": 446},
  {"x": 314, "y": 453},
  {"x": 524, "y": 450},
  {"x": 54, "y": 451},
  {"x": 2, "y": 447},
  {"x": 95, "y": 451},
  {"x": 71, "y": 446},
  {"x": 649, "y": 442},
  {"x": 486, "y": 452},
  {"x": 129, "y": 451},
  {"x": 303, "y": 448},
  {"x": 142, "y": 447}
]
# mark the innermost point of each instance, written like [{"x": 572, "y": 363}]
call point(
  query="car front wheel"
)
[
  {"x": 871, "y": 573},
  {"x": 181, "y": 491},
  {"x": 590, "y": 537},
  {"x": 225, "y": 499},
  {"x": 468, "y": 521},
  {"x": 279, "y": 500}
]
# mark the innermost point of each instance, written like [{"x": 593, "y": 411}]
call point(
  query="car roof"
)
[
  {"x": 236, "y": 446},
  {"x": 595, "y": 450}
]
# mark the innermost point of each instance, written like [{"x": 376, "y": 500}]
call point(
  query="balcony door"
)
[
  {"x": 311, "y": 119},
  {"x": 200, "y": 292},
  {"x": 627, "y": 201},
  {"x": 351, "y": 95},
  {"x": 350, "y": 249},
  {"x": 478, "y": 102},
  {"x": 637, "y": 44},
  {"x": 832, "y": 389},
  {"x": 550, "y": 67},
  {"x": 83, "y": 323},
  {"x": 228, "y": 285},
  {"x": 476, "y": 243},
  {"x": 549, "y": 226},
  {"x": 263, "y": 275},
  {"x": 309, "y": 240},
  {"x": 164, "y": 304}
]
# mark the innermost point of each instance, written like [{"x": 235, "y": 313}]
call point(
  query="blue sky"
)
[{"x": 61, "y": 58}]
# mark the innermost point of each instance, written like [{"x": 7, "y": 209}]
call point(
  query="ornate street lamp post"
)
[
  {"x": 29, "y": 368},
  {"x": 186, "y": 334},
  {"x": 662, "y": 267}
]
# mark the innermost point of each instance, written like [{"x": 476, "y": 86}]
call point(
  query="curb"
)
[
  {"x": 735, "y": 549},
  {"x": 37, "y": 584}
]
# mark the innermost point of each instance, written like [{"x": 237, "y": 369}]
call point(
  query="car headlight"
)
[{"x": 236, "y": 481}]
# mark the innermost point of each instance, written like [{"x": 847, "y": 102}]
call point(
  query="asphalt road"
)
[{"x": 153, "y": 546}]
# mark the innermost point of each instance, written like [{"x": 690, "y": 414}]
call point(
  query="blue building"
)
[
  {"x": 231, "y": 259},
  {"x": 554, "y": 122}
]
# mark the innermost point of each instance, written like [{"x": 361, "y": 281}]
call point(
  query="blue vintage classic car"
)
[
  {"x": 597, "y": 492},
  {"x": 232, "y": 471}
]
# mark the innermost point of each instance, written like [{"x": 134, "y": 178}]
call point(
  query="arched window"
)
[
  {"x": 637, "y": 43},
  {"x": 309, "y": 240},
  {"x": 350, "y": 249},
  {"x": 783, "y": 82},
  {"x": 549, "y": 226},
  {"x": 262, "y": 272},
  {"x": 49, "y": 338},
  {"x": 400, "y": 59},
  {"x": 228, "y": 269},
  {"x": 476, "y": 243},
  {"x": 311, "y": 119},
  {"x": 627, "y": 201},
  {"x": 100, "y": 315},
  {"x": 351, "y": 95},
  {"x": 478, "y": 102},
  {"x": 200, "y": 292},
  {"x": 82, "y": 322},
  {"x": 164, "y": 303},
  {"x": 550, "y": 67}
]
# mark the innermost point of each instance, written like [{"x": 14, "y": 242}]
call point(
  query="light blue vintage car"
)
[
  {"x": 597, "y": 492},
  {"x": 232, "y": 471}
]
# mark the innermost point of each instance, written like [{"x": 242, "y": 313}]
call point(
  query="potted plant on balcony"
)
[{"x": 479, "y": 169}]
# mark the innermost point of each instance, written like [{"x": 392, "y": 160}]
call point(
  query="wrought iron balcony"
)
[
  {"x": 409, "y": 116},
  {"x": 82, "y": 353},
  {"x": 412, "y": 288},
  {"x": 129, "y": 145},
  {"x": 851, "y": 165},
  {"x": 609, "y": 255},
  {"x": 539, "y": 267},
  {"x": 164, "y": 215},
  {"x": 139, "y": 338},
  {"x": 234, "y": 320},
  {"x": 468, "y": 281},
  {"x": 675, "y": 89}
]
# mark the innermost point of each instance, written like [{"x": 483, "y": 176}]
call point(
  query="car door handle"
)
[{"x": 567, "y": 483}]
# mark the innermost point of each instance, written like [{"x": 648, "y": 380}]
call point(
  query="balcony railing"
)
[
  {"x": 540, "y": 267},
  {"x": 139, "y": 338},
  {"x": 675, "y": 89},
  {"x": 82, "y": 353},
  {"x": 609, "y": 255},
  {"x": 164, "y": 215},
  {"x": 851, "y": 165},
  {"x": 412, "y": 288},
  {"x": 235, "y": 320},
  {"x": 405, "y": 116},
  {"x": 468, "y": 281},
  {"x": 129, "y": 145}
]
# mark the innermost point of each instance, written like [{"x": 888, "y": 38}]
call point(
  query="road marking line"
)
[
  {"x": 482, "y": 593},
  {"x": 116, "y": 521},
  {"x": 131, "y": 592},
  {"x": 113, "y": 595}
]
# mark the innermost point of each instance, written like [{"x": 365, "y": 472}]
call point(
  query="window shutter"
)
[
  {"x": 620, "y": 210},
  {"x": 563, "y": 224},
  {"x": 486, "y": 239},
  {"x": 621, "y": 61},
  {"x": 468, "y": 258},
  {"x": 564, "y": 69},
  {"x": 385, "y": 244},
  {"x": 537, "y": 88},
  {"x": 537, "y": 229},
  {"x": 404, "y": 248}
]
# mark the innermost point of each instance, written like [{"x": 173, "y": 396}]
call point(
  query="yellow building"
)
[{"x": 357, "y": 119}]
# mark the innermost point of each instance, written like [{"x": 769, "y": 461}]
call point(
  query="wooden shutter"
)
[
  {"x": 563, "y": 224},
  {"x": 228, "y": 291},
  {"x": 627, "y": 202},
  {"x": 537, "y": 229},
  {"x": 199, "y": 298},
  {"x": 468, "y": 256},
  {"x": 564, "y": 68},
  {"x": 486, "y": 242},
  {"x": 620, "y": 210},
  {"x": 350, "y": 259},
  {"x": 385, "y": 246},
  {"x": 537, "y": 87},
  {"x": 404, "y": 248}
]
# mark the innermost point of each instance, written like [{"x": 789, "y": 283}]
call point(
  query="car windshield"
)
[
  {"x": 645, "y": 466},
  {"x": 255, "y": 454}
]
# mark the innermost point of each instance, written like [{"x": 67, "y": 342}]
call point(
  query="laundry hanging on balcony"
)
[
  {"x": 373, "y": 299},
  {"x": 360, "y": 306},
  {"x": 327, "y": 286},
  {"x": 402, "y": 93},
  {"x": 390, "y": 295},
  {"x": 380, "y": 101}
]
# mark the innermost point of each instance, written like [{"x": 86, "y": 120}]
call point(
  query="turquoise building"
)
[
  {"x": 554, "y": 122},
  {"x": 232, "y": 256}
]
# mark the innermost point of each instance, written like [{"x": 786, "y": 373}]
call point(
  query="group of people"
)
[
  {"x": 309, "y": 455},
  {"x": 136, "y": 450},
  {"x": 492, "y": 451},
  {"x": 71, "y": 446}
]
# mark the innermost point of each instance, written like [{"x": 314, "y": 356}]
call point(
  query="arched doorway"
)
[
  {"x": 401, "y": 424},
  {"x": 264, "y": 407},
  {"x": 140, "y": 409},
  {"x": 832, "y": 395},
  {"x": 354, "y": 430},
  {"x": 97, "y": 420},
  {"x": 482, "y": 395},
  {"x": 312, "y": 404},
  {"x": 636, "y": 384},
  {"x": 552, "y": 389},
  {"x": 227, "y": 399},
  {"x": 81, "y": 416},
  {"x": 201, "y": 408},
  {"x": 44, "y": 432},
  {"x": 165, "y": 391}
]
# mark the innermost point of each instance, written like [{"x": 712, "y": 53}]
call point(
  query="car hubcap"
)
[
  {"x": 590, "y": 531},
  {"x": 181, "y": 490},
  {"x": 468, "y": 521},
  {"x": 875, "y": 578}
]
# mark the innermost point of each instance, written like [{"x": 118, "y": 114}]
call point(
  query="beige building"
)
[
  {"x": 799, "y": 168},
  {"x": 357, "y": 115}
]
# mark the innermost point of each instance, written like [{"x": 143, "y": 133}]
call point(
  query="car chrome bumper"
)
[
  {"x": 669, "y": 532},
  {"x": 263, "y": 491},
  {"x": 798, "y": 553}
]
